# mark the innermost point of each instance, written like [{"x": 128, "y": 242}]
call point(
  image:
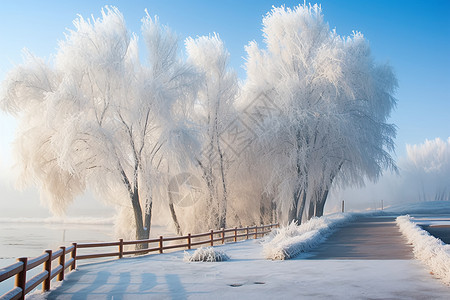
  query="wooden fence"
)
[{"x": 24, "y": 264}]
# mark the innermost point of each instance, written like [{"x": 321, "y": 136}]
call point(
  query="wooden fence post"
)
[
  {"x": 247, "y": 234},
  {"x": 160, "y": 244},
  {"x": 74, "y": 256},
  {"x": 120, "y": 248},
  {"x": 189, "y": 241},
  {"x": 212, "y": 237},
  {"x": 21, "y": 277},
  {"x": 48, "y": 268},
  {"x": 256, "y": 232},
  {"x": 235, "y": 234},
  {"x": 223, "y": 236},
  {"x": 62, "y": 262}
]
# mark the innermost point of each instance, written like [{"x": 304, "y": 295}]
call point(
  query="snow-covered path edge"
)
[
  {"x": 289, "y": 241},
  {"x": 430, "y": 250}
]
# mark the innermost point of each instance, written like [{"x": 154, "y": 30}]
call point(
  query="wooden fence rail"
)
[
  {"x": 23, "y": 265},
  {"x": 49, "y": 271}
]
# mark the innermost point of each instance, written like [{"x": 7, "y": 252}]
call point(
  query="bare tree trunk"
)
[
  {"x": 323, "y": 195},
  {"x": 273, "y": 210},
  {"x": 172, "y": 208},
  {"x": 142, "y": 226},
  {"x": 223, "y": 207},
  {"x": 261, "y": 211},
  {"x": 312, "y": 209},
  {"x": 296, "y": 213},
  {"x": 213, "y": 205},
  {"x": 301, "y": 207},
  {"x": 321, "y": 203},
  {"x": 265, "y": 209},
  {"x": 298, "y": 205},
  {"x": 223, "y": 204},
  {"x": 293, "y": 209},
  {"x": 148, "y": 218},
  {"x": 174, "y": 218}
]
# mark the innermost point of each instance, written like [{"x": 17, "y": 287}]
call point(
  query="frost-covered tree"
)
[
  {"x": 214, "y": 114},
  {"x": 426, "y": 170},
  {"x": 333, "y": 102},
  {"x": 97, "y": 118},
  {"x": 362, "y": 138},
  {"x": 312, "y": 114}
]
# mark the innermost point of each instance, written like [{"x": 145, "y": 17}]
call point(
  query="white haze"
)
[{"x": 424, "y": 175}]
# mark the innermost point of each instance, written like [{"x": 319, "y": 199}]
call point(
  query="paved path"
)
[{"x": 366, "y": 238}]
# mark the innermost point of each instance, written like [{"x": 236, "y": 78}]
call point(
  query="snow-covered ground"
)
[
  {"x": 423, "y": 208},
  {"x": 249, "y": 275},
  {"x": 430, "y": 250}
]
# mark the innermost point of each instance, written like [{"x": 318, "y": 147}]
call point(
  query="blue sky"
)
[{"x": 412, "y": 35}]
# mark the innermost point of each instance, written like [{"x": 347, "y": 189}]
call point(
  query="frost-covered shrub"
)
[
  {"x": 289, "y": 241},
  {"x": 432, "y": 251},
  {"x": 208, "y": 254}
]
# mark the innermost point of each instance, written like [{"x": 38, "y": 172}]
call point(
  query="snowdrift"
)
[
  {"x": 432, "y": 251},
  {"x": 287, "y": 242},
  {"x": 208, "y": 254}
]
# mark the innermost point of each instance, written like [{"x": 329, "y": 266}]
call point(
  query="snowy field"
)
[
  {"x": 430, "y": 208},
  {"x": 31, "y": 236},
  {"x": 249, "y": 275}
]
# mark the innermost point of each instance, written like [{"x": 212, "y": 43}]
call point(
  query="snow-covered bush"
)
[
  {"x": 289, "y": 241},
  {"x": 432, "y": 251},
  {"x": 208, "y": 254}
]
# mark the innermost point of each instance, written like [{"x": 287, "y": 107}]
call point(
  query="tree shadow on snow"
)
[
  {"x": 100, "y": 280},
  {"x": 120, "y": 288},
  {"x": 176, "y": 288},
  {"x": 148, "y": 281}
]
